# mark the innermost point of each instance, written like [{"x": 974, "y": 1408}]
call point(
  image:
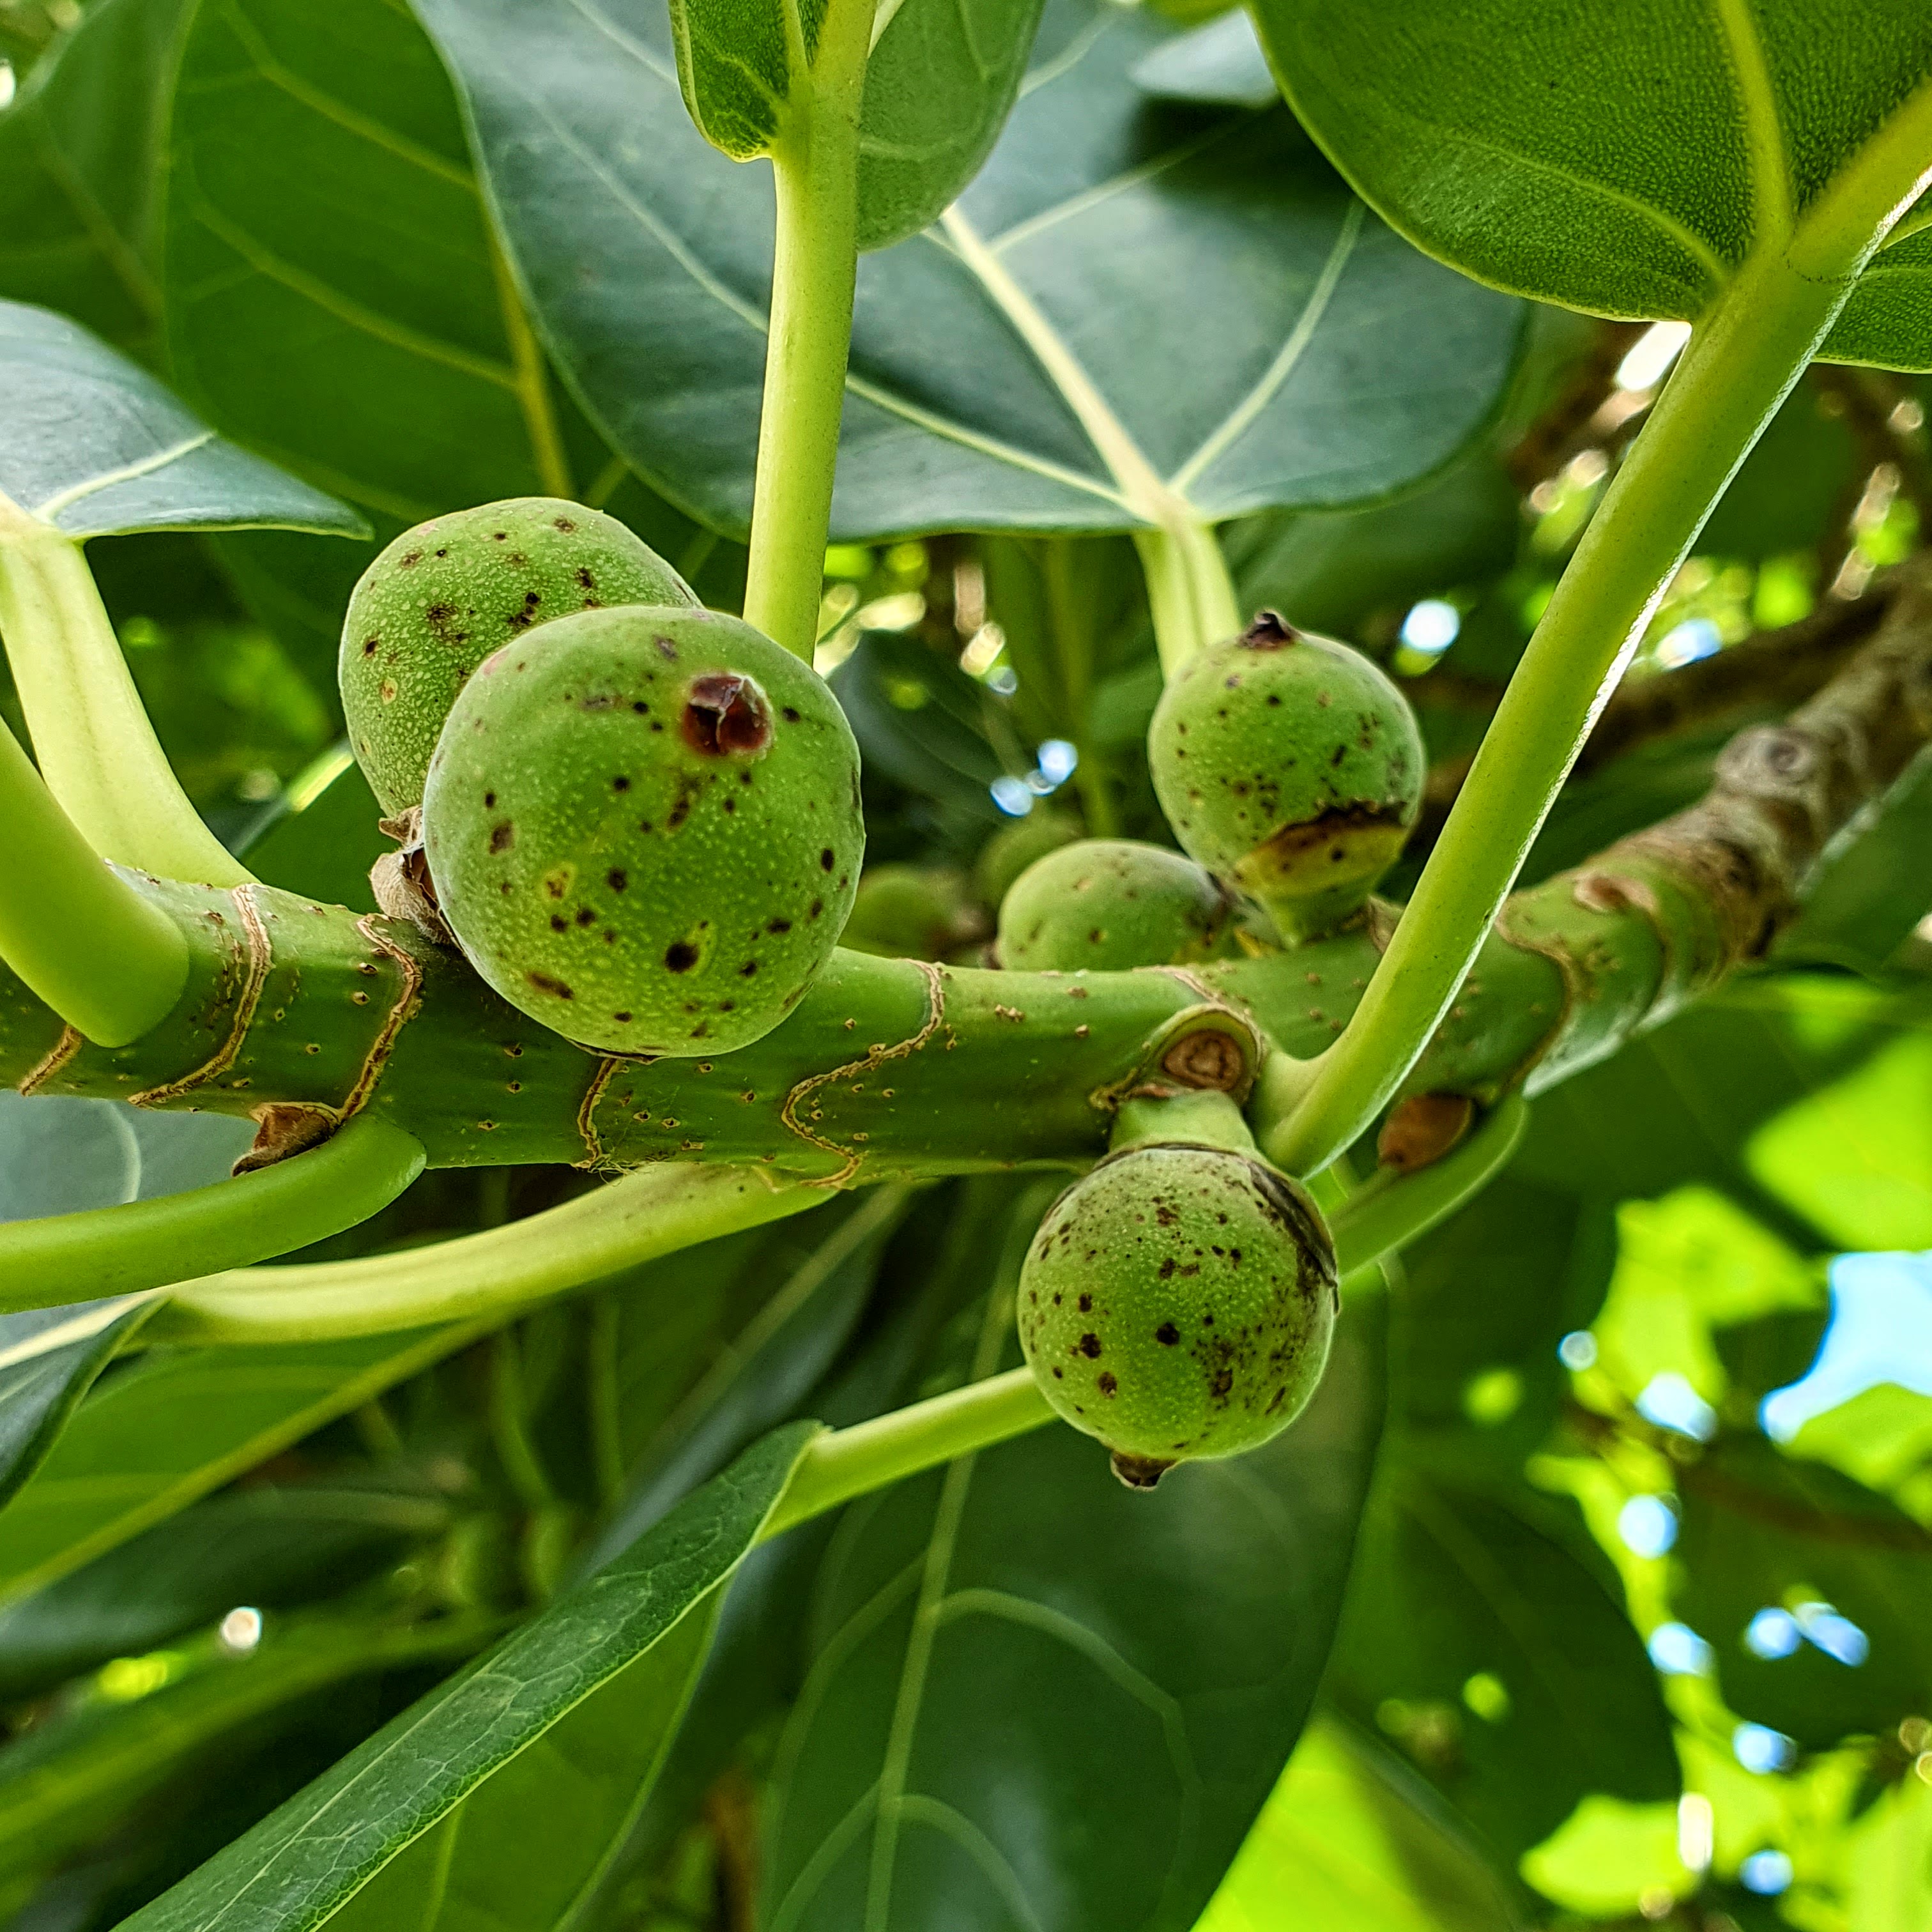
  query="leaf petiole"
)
[
  {"x": 97, "y": 749},
  {"x": 110, "y": 962},
  {"x": 815, "y": 173}
]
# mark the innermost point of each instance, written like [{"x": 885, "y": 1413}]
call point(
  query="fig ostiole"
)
[
  {"x": 643, "y": 828},
  {"x": 1290, "y": 765},
  {"x": 1178, "y": 1303},
  {"x": 1106, "y": 904},
  {"x": 445, "y": 596}
]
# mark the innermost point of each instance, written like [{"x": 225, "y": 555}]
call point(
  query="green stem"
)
[
  {"x": 1190, "y": 592},
  {"x": 95, "y": 746},
  {"x": 815, "y": 171},
  {"x": 146, "y": 1244},
  {"x": 1745, "y": 356},
  {"x": 850, "y": 1463},
  {"x": 111, "y": 963},
  {"x": 499, "y": 1272}
]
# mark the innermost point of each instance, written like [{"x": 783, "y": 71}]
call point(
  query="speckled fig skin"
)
[
  {"x": 1111, "y": 904},
  {"x": 1178, "y": 1301},
  {"x": 446, "y": 594},
  {"x": 643, "y": 828},
  {"x": 1290, "y": 765}
]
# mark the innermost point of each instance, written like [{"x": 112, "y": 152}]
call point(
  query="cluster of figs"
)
[{"x": 640, "y": 821}]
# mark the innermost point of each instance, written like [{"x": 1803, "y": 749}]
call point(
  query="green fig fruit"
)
[
  {"x": 1110, "y": 904},
  {"x": 912, "y": 912},
  {"x": 643, "y": 827},
  {"x": 1178, "y": 1301},
  {"x": 1015, "y": 846},
  {"x": 1290, "y": 765},
  {"x": 446, "y": 595}
]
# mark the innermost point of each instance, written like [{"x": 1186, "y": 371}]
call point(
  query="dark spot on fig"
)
[
  {"x": 489, "y": 800},
  {"x": 1086, "y": 1304},
  {"x": 623, "y": 1019},
  {"x": 778, "y": 926},
  {"x": 414, "y": 556},
  {"x": 1222, "y": 1385},
  {"x": 543, "y": 983},
  {"x": 563, "y": 523},
  {"x": 586, "y": 917},
  {"x": 817, "y": 906},
  {"x": 746, "y": 971},
  {"x": 620, "y": 783},
  {"x": 1089, "y": 1345},
  {"x": 502, "y": 836},
  {"x": 790, "y": 715},
  {"x": 617, "y": 878},
  {"x": 369, "y": 646},
  {"x": 1167, "y": 1334},
  {"x": 680, "y": 955},
  {"x": 1107, "y": 1383},
  {"x": 826, "y": 860},
  {"x": 667, "y": 649},
  {"x": 558, "y": 923},
  {"x": 726, "y": 713}
]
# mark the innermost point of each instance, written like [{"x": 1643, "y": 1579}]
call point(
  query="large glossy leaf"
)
[
  {"x": 1132, "y": 312},
  {"x": 67, "y": 1782},
  {"x": 811, "y": 1280},
  {"x": 269, "y": 1546},
  {"x": 94, "y": 446},
  {"x": 1623, "y": 160},
  {"x": 1764, "y": 1532},
  {"x": 1359, "y": 1845},
  {"x": 165, "y": 1429},
  {"x": 553, "y": 1739},
  {"x": 335, "y": 297},
  {"x": 78, "y": 173},
  {"x": 1015, "y": 1654},
  {"x": 49, "y": 1358}
]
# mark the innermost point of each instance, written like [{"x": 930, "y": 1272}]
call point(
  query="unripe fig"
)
[
  {"x": 1109, "y": 904},
  {"x": 1178, "y": 1301},
  {"x": 912, "y": 912},
  {"x": 1015, "y": 846},
  {"x": 1289, "y": 765},
  {"x": 446, "y": 594},
  {"x": 643, "y": 828}
]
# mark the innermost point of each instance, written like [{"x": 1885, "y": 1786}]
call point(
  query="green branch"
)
[
  {"x": 95, "y": 745},
  {"x": 111, "y": 963}
]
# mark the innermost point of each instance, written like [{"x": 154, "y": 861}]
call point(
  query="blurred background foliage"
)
[{"x": 1635, "y": 1632}]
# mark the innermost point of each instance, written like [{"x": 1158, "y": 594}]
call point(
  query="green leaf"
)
[
  {"x": 1763, "y": 1531},
  {"x": 49, "y": 1358},
  {"x": 940, "y": 85},
  {"x": 1012, "y": 1651},
  {"x": 335, "y": 296},
  {"x": 78, "y": 147},
  {"x": 1358, "y": 1845},
  {"x": 1007, "y": 365},
  {"x": 1854, "y": 1158},
  {"x": 812, "y": 1279},
  {"x": 1480, "y": 132},
  {"x": 940, "y": 82},
  {"x": 553, "y": 1738},
  {"x": 1487, "y": 1636},
  {"x": 95, "y": 445},
  {"x": 66, "y": 1782},
  {"x": 1609, "y": 1856},
  {"x": 168, "y": 1428},
  {"x": 1888, "y": 1859},
  {"x": 271, "y": 1547},
  {"x": 1220, "y": 63},
  {"x": 59, "y": 1155}
]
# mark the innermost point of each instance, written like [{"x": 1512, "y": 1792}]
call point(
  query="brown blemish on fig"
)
[
  {"x": 543, "y": 983},
  {"x": 725, "y": 714},
  {"x": 1268, "y": 633},
  {"x": 502, "y": 836},
  {"x": 680, "y": 956}
]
